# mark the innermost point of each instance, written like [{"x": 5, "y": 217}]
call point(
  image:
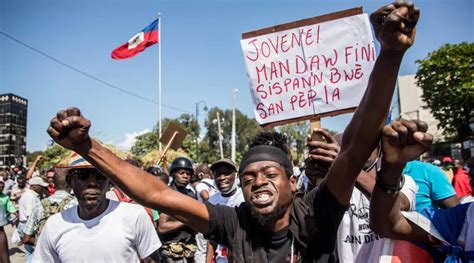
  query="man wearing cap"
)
[
  {"x": 446, "y": 166},
  {"x": 270, "y": 226},
  {"x": 97, "y": 229},
  {"x": 179, "y": 244},
  {"x": 60, "y": 200},
  {"x": 28, "y": 200},
  {"x": 230, "y": 194}
]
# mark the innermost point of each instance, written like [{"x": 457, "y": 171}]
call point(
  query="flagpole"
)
[{"x": 159, "y": 77}]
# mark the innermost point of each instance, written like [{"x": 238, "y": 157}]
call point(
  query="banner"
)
[{"x": 309, "y": 71}]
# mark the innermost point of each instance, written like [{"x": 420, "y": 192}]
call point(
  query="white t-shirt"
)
[
  {"x": 123, "y": 233},
  {"x": 27, "y": 201},
  {"x": 234, "y": 200},
  {"x": 467, "y": 233},
  {"x": 356, "y": 242},
  {"x": 205, "y": 184}
]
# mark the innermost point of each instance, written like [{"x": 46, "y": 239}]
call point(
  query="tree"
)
[
  {"x": 53, "y": 156},
  {"x": 446, "y": 77},
  {"x": 145, "y": 143},
  {"x": 148, "y": 142},
  {"x": 296, "y": 134},
  {"x": 246, "y": 129},
  {"x": 31, "y": 156}
]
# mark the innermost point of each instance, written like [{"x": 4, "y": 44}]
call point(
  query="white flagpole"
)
[{"x": 159, "y": 76}]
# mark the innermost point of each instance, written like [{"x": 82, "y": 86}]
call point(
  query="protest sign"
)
[
  {"x": 173, "y": 137},
  {"x": 309, "y": 68}
]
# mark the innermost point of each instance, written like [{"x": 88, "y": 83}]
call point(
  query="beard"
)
[{"x": 264, "y": 219}]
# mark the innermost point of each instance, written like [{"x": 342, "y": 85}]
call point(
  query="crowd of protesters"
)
[{"x": 359, "y": 196}]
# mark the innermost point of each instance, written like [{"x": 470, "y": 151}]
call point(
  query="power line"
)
[{"x": 89, "y": 75}]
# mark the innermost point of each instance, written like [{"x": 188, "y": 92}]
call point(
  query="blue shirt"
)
[{"x": 433, "y": 185}]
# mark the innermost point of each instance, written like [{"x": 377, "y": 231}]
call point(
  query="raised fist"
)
[
  {"x": 322, "y": 153},
  {"x": 404, "y": 140},
  {"x": 70, "y": 129},
  {"x": 394, "y": 25}
]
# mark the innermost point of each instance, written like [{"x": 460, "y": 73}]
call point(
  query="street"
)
[{"x": 16, "y": 253}]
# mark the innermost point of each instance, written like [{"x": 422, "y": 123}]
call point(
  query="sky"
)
[{"x": 201, "y": 56}]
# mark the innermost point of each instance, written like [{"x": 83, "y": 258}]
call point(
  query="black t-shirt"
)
[{"x": 314, "y": 221}]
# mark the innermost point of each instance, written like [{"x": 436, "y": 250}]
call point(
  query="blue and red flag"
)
[{"x": 147, "y": 37}]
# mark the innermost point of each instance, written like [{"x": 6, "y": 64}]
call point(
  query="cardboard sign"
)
[
  {"x": 309, "y": 68},
  {"x": 173, "y": 136}
]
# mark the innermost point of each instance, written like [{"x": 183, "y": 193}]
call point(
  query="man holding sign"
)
[{"x": 302, "y": 229}]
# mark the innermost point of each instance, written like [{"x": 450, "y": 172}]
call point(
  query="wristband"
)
[{"x": 390, "y": 189}]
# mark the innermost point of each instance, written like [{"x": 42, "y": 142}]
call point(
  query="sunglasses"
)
[{"x": 85, "y": 174}]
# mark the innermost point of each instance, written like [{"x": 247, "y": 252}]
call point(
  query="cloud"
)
[{"x": 130, "y": 139}]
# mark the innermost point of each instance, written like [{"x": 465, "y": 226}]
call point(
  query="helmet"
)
[{"x": 181, "y": 163}]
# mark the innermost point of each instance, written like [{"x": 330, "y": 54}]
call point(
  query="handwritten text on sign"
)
[{"x": 309, "y": 70}]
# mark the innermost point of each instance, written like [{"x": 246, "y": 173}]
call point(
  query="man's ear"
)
[{"x": 293, "y": 183}]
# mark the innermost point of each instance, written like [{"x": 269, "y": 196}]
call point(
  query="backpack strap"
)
[
  {"x": 210, "y": 185},
  {"x": 121, "y": 196}
]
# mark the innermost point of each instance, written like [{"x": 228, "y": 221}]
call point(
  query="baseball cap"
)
[
  {"x": 223, "y": 161},
  {"x": 447, "y": 159},
  {"x": 37, "y": 181}
]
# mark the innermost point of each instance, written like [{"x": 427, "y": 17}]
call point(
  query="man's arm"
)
[
  {"x": 30, "y": 172},
  {"x": 211, "y": 248},
  {"x": 366, "y": 183},
  {"x": 204, "y": 195},
  {"x": 329, "y": 149},
  {"x": 394, "y": 28},
  {"x": 402, "y": 141},
  {"x": 448, "y": 202},
  {"x": 71, "y": 130},
  {"x": 167, "y": 224}
]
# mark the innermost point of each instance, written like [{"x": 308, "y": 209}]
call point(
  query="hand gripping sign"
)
[{"x": 310, "y": 68}]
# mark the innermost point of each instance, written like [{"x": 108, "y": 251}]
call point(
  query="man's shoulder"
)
[
  {"x": 215, "y": 198},
  {"x": 125, "y": 209}
]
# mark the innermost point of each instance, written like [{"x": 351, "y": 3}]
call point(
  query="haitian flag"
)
[{"x": 147, "y": 37}]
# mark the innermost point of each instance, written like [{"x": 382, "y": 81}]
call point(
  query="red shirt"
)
[
  {"x": 461, "y": 183},
  {"x": 51, "y": 189}
]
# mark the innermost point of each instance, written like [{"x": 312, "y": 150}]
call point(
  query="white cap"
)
[{"x": 37, "y": 181}]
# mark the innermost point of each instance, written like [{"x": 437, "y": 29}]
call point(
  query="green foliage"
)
[
  {"x": 30, "y": 157},
  {"x": 296, "y": 134},
  {"x": 148, "y": 142},
  {"x": 144, "y": 144},
  {"x": 246, "y": 129},
  {"x": 53, "y": 156},
  {"x": 446, "y": 77}
]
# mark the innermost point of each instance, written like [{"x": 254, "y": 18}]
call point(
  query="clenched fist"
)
[
  {"x": 394, "y": 25},
  {"x": 70, "y": 130},
  {"x": 404, "y": 140}
]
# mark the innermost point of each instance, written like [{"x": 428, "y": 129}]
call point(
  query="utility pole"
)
[
  {"x": 220, "y": 135},
  {"x": 234, "y": 102},
  {"x": 197, "y": 123}
]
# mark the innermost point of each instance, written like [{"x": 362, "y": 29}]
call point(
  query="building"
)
[
  {"x": 13, "y": 115},
  {"x": 413, "y": 108}
]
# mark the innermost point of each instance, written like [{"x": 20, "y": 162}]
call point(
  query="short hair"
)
[{"x": 272, "y": 138}]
